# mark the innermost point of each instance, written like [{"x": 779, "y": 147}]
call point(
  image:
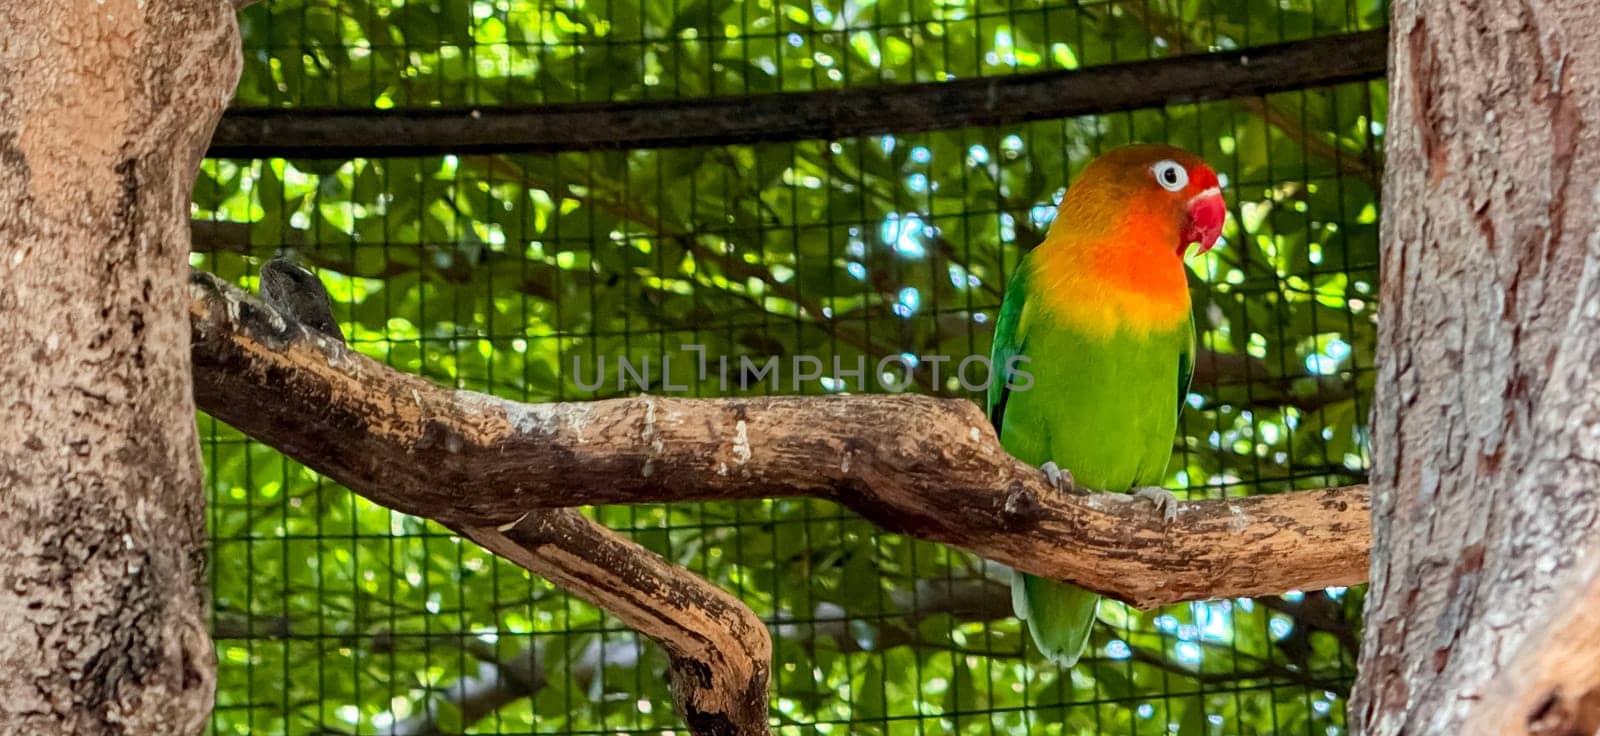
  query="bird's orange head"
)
[
  {"x": 1149, "y": 192},
  {"x": 1113, "y": 258}
]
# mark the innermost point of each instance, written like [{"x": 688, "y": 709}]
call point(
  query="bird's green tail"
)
[{"x": 1059, "y": 615}]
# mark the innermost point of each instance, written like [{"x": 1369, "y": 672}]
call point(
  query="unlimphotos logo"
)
[{"x": 892, "y": 373}]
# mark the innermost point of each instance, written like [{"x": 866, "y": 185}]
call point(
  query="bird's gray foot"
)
[
  {"x": 1060, "y": 479},
  {"x": 1166, "y": 504}
]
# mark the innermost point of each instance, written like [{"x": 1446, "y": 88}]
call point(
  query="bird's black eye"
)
[{"x": 1170, "y": 175}]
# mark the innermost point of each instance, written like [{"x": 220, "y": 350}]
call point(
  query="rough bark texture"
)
[
  {"x": 1486, "y": 423},
  {"x": 469, "y": 460},
  {"x": 1553, "y": 684},
  {"x": 105, "y": 109},
  {"x": 721, "y": 653}
]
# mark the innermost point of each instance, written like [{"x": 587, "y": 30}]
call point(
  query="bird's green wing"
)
[
  {"x": 1186, "y": 367},
  {"x": 1008, "y": 343}
]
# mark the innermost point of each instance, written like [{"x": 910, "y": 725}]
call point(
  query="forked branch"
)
[
  {"x": 720, "y": 651},
  {"x": 921, "y": 466}
]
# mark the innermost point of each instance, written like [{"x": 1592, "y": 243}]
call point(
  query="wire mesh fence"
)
[
  {"x": 381, "y": 53},
  {"x": 522, "y": 275}
]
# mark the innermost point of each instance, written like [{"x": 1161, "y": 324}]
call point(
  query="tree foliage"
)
[{"x": 497, "y": 272}]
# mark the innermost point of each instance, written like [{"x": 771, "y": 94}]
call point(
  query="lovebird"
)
[{"x": 1095, "y": 342}]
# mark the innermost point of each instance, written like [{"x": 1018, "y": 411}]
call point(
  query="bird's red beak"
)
[{"x": 1206, "y": 211}]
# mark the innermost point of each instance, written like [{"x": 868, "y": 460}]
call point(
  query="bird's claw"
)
[
  {"x": 1166, "y": 504},
  {"x": 1060, "y": 479}
]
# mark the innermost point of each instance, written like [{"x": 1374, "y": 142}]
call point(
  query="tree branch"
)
[
  {"x": 476, "y": 462},
  {"x": 720, "y": 652}
]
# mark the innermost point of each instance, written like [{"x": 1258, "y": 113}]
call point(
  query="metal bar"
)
[{"x": 904, "y": 108}]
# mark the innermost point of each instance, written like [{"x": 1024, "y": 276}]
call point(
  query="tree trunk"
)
[
  {"x": 105, "y": 108},
  {"x": 1486, "y": 423}
]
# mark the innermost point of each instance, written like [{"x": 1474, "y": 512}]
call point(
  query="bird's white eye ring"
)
[{"x": 1170, "y": 175}]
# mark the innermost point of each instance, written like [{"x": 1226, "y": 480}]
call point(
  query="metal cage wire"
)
[{"x": 495, "y": 272}]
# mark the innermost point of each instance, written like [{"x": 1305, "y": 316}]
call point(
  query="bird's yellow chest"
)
[{"x": 1104, "y": 289}]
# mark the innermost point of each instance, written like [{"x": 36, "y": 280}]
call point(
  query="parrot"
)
[{"x": 1098, "y": 317}]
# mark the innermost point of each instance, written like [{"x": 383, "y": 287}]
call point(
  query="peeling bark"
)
[
  {"x": 105, "y": 109},
  {"x": 469, "y": 460},
  {"x": 1487, "y": 412}
]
